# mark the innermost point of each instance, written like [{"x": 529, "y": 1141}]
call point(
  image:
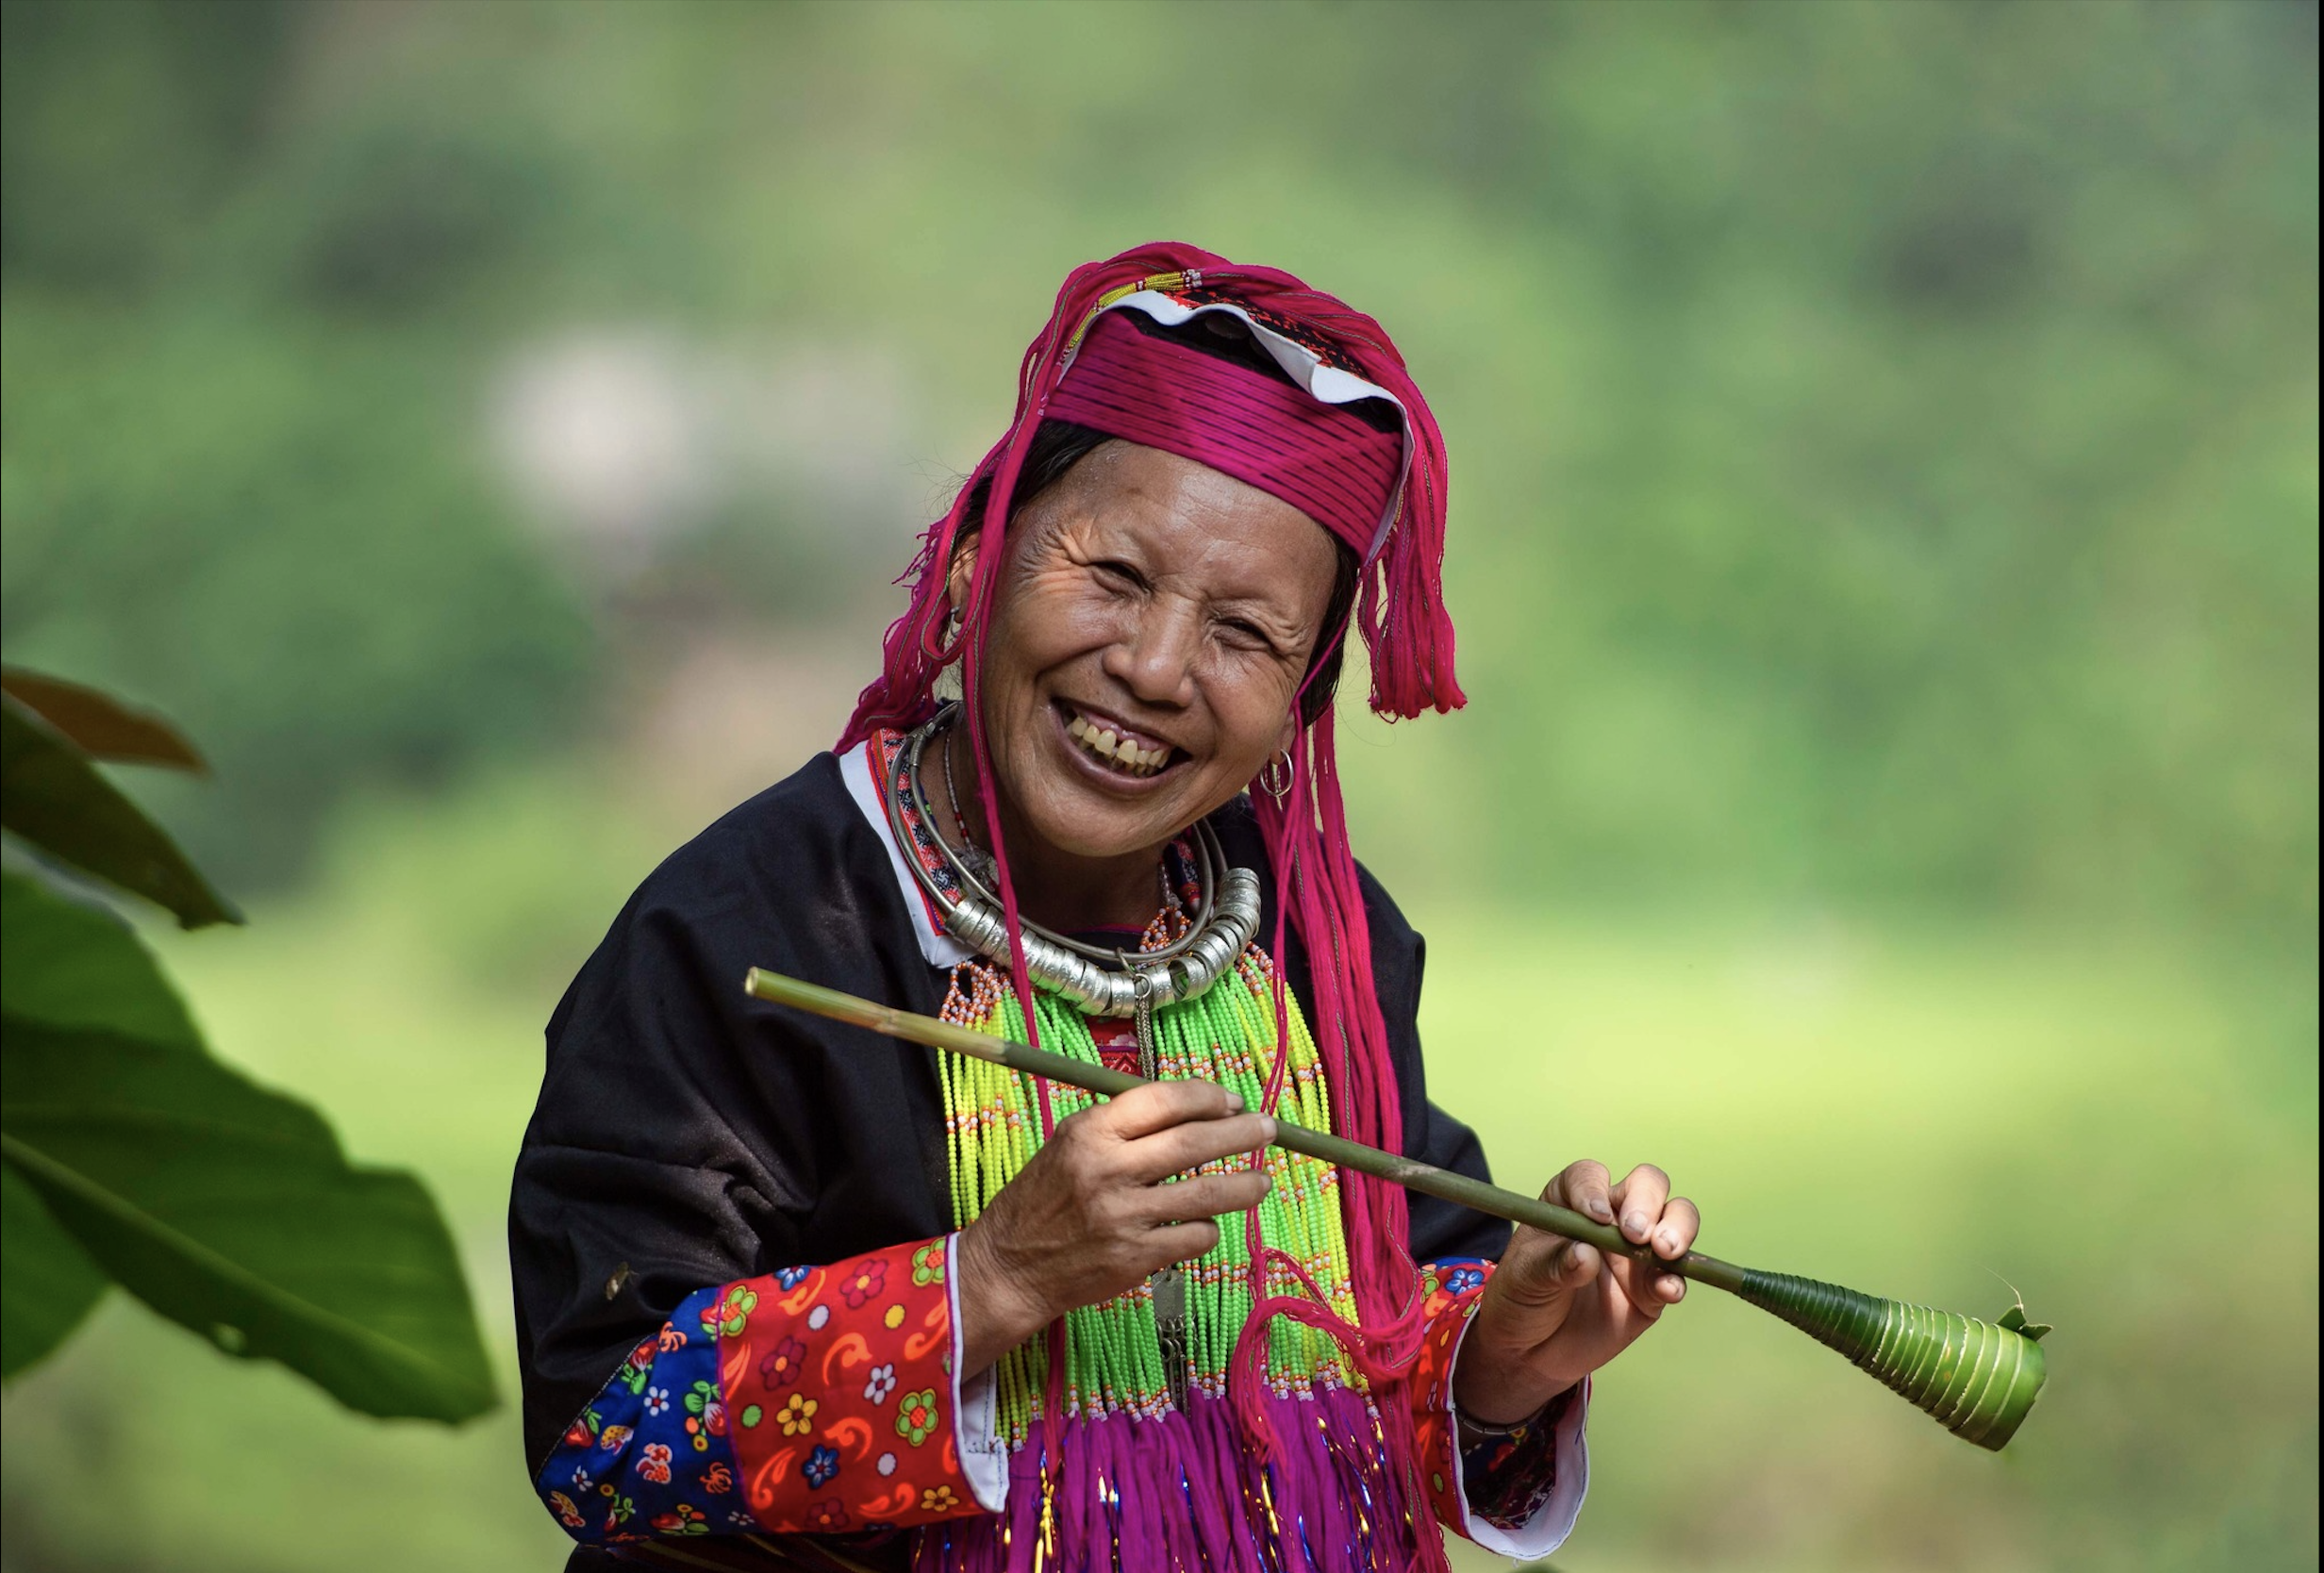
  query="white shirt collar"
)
[{"x": 938, "y": 947}]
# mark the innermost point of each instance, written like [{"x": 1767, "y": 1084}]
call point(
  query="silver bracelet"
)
[{"x": 1469, "y": 1432}]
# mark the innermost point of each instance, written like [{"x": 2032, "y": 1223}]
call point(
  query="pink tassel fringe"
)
[{"x": 1400, "y": 613}]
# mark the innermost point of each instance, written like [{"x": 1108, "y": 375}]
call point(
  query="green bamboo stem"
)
[{"x": 1977, "y": 1378}]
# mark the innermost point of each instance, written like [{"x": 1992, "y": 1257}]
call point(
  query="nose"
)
[{"x": 1155, "y": 653}]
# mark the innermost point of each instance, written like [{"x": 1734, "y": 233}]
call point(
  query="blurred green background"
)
[{"x": 1883, "y": 544}]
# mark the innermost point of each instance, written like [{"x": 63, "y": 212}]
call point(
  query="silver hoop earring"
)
[{"x": 1275, "y": 781}]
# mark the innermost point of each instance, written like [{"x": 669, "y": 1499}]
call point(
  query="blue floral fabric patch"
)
[{"x": 650, "y": 1455}]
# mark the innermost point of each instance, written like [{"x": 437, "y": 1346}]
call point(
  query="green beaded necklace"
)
[{"x": 1114, "y": 1360}]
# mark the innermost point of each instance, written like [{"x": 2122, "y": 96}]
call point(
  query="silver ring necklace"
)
[
  {"x": 979, "y": 874},
  {"x": 1101, "y": 982}
]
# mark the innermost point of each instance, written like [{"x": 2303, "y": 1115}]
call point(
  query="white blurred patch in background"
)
[{"x": 621, "y": 440}]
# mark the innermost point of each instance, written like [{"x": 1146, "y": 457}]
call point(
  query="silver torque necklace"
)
[{"x": 1101, "y": 982}]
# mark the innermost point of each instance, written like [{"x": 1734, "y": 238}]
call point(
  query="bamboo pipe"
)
[{"x": 1977, "y": 1378}]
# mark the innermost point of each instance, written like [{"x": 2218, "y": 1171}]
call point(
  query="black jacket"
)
[{"x": 688, "y": 1134}]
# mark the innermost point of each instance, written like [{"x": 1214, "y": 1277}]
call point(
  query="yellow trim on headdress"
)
[{"x": 1161, "y": 283}]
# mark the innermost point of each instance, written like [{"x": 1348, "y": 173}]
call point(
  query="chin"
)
[
  {"x": 1088, "y": 830},
  {"x": 1071, "y": 813}
]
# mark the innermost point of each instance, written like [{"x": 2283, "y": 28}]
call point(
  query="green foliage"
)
[
  {"x": 1884, "y": 434},
  {"x": 231, "y": 1211},
  {"x": 1884, "y": 477},
  {"x": 47, "y": 1282},
  {"x": 107, "y": 198},
  {"x": 56, "y": 799},
  {"x": 280, "y": 536},
  {"x": 133, "y": 1156},
  {"x": 99, "y": 725}
]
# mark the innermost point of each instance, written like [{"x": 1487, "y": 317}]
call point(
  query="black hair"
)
[{"x": 1060, "y": 445}]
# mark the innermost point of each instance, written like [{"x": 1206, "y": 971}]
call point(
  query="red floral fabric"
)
[
  {"x": 1453, "y": 1291},
  {"x": 1451, "y": 1300},
  {"x": 838, "y": 1388}
]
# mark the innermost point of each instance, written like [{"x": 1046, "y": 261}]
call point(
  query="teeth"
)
[{"x": 1108, "y": 744}]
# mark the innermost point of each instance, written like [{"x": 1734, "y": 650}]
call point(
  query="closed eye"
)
[
  {"x": 1120, "y": 572},
  {"x": 1248, "y": 632}
]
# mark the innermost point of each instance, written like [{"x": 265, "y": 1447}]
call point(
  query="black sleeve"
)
[
  {"x": 1439, "y": 1228},
  {"x": 688, "y": 1136},
  {"x": 634, "y": 1188}
]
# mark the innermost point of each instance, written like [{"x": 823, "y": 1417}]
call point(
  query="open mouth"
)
[{"x": 1114, "y": 747}]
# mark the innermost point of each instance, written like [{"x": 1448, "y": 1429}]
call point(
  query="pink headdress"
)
[
  {"x": 1384, "y": 496},
  {"x": 1332, "y": 465}
]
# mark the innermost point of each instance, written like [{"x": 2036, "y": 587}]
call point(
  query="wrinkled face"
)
[{"x": 1149, "y": 637}]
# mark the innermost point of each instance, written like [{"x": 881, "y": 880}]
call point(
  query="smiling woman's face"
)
[{"x": 1152, "y": 628}]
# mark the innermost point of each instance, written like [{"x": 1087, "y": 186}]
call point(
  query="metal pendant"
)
[{"x": 1169, "y": 1327}]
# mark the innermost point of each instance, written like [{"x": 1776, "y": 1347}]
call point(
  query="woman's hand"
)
[
  {"x": 1555, "y": 1310},
  {"x": 1089, "y": 1216}
]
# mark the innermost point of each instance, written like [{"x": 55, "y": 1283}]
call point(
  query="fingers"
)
[
  {"x": 1166, "y": 1128},
  {"x": 1539, "y": 1269},
  {"x": 1182, "y": 1242},
  {"x": 1652, "y": 1216},
  {"x": 1193, "y": 1144},
  {"x": 1649, "y": 1293},
  {"x": 1573, "y": 1266},
  {"x": 1206, "y": 1196},
  {"x": 1559, "y": 1273},
  {"x": 1647, "y": 1287},
  {"x": 1157, "y": 1106},
  {"x": 1639, "y": 1200},
  {"x": 1642, "y": 1207},
  {"x": 1585, "y": 1187},
  {"x": 1676, "y": 1236}
]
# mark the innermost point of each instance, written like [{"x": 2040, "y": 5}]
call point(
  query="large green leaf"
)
[
  {"x": 47, "y": 1282},
  {"x": 223, "y": 1206},
  {"x": 100, "y": 725},
  {"x": 210, "y": 1200},
  {"x": 52, "y": 796},
  {"x": 75, "y": 964}
]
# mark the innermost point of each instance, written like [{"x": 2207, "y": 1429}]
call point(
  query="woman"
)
[{"x": 792, "y": 1294}]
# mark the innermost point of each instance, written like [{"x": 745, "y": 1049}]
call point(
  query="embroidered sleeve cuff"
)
[
  {"x": 984, "y": 1456},
  {"x": 810, "y": 1400},
  {"x": 1519, "y": 1496}
]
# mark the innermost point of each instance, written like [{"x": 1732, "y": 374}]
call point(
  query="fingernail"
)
[
  {"x": 1599, "y": 1210},
  {"x": 1235, "y": 1102},
  {"x": 1636, "y": 1224},
  {"x": 1668, "y": 1239}
]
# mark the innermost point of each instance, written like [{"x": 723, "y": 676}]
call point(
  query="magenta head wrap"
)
[
  {"x": 1382, "y": 495},
  {"x": 1324, "y": 461}
]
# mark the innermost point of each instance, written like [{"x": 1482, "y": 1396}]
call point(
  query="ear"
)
[
  {"x": 1288, "y": 738},
  {"x": 961, "y": 574}
]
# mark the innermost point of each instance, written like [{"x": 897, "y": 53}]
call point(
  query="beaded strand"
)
[{"x": 1113, "y": 1351}]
